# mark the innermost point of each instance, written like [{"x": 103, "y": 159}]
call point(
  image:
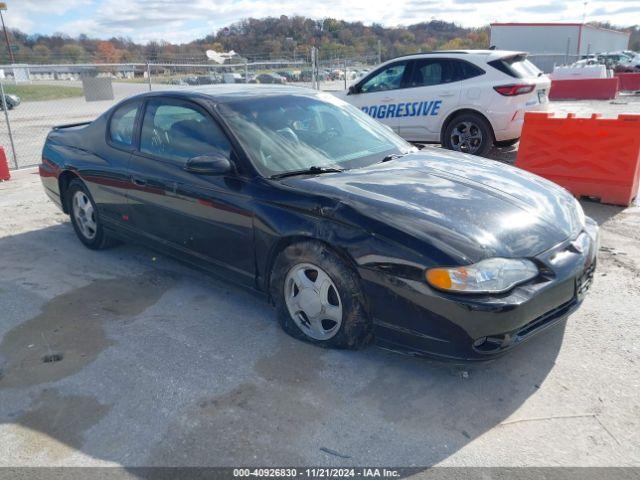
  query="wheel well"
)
[
  {"x": 64, "y": 179},
  {"x": 462, "y": 111},
  {"x": 287, "y": 241}
]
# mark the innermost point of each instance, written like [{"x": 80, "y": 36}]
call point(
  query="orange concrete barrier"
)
[
  {"x": 593, "y": 157},
  {"x": 4, "y": 166},
  {"x": 584, "y": 89},
  {"x": 629, "y": 82}
]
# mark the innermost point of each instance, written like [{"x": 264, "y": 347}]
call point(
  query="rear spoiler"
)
[{"x": 69, "y": 125}]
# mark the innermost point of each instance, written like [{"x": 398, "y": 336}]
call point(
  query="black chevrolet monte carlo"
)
[{"x": 352, "y": 233}]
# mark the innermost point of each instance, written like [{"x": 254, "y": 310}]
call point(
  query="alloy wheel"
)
[
  {"x": 85, "y": 215},
  {"x": 466, "y": 137}
]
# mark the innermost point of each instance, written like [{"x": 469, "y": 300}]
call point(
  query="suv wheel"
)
[{"x": 468, "y": 133}]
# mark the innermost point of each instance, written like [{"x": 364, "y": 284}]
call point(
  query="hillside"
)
[{"x": 258, "y": 39}]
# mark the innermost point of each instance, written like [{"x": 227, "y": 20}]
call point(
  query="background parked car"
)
[
  {"x": 270, "y": 78},
  {"x": 12, "y": 101},
  {"x": 288, "y": 76}
]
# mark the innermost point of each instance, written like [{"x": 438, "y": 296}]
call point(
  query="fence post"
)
[
  {"x": 149, "y": 75},
  {"x": 314, "y": 82},
  {"x": 345, "y": 73},
  {"x": 246, "y": 71},
  {"x": 6, "y": 116}
]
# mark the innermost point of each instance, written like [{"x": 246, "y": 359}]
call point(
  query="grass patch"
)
[{"x": 33, "y": 93}]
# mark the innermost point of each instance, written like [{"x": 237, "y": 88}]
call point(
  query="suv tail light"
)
[{"x": 514, "y": 89}]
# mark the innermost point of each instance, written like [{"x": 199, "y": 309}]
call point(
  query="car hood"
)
[{"x": 469, "y": 207}]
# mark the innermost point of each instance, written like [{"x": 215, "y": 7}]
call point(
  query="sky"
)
[{"x": 180, "y": 21}]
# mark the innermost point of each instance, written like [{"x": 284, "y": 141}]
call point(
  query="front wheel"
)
[
  {"x": 468, "y": 133},
  {"x": 318, "y": 297}
]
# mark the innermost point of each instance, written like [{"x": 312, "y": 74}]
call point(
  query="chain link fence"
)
[
  {"x": 546, "y": 61},
  {"x": 35, "y": 98},
  {"x": 55, "y": 94}
]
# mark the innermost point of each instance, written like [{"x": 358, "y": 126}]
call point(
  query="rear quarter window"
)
[
  {"x": 466, "y": 70},
  {"x": 517, "y": 67},
  {"x": 122, "y": 123}
]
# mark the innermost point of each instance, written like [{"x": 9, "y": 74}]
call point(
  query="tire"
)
[
  {"x": 90, "y": 230},
  {"x": 481, "y": 134},
  {"x": 507, "y": 143},
  {"x": 342, "y": 318}
]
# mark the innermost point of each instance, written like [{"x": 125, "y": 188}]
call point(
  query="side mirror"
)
[
  {"x": 212, "y": 164},
  {"x": 352, "y": 90}
]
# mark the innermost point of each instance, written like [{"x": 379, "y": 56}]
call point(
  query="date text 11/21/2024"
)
[{"x": 317, "y": 472}]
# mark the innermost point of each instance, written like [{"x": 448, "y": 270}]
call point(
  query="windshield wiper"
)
[{"x": 306, "y": 171}]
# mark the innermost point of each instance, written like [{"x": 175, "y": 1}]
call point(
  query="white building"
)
[{"x": 556, "y": 43}]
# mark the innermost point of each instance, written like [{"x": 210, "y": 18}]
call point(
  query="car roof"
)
[
  {"x": 486, "y": 55},
  {"x": 235, "y": 91}
]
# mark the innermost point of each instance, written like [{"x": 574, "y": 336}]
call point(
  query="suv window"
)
[
  {"x": 432, "y": 71},
  {"x": 177, "y": 131},
  {"x": 122, "y": 124},
  {"x": 389, "y": 78},
  {"x": 467, "y": 70},
  {"x": 517, "y": 67}
]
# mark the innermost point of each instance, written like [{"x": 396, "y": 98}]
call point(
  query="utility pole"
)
[
  {"x": 379, "y": 52},
  {"x": 3, "y": 6}
]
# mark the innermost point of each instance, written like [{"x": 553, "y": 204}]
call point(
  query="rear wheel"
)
[
  {"x": 84, "y": 216},
  {"x": 468, "y": 133},
  {"x": 318, "y": 297}
]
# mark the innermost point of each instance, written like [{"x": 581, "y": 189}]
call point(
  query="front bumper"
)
[{"x": 413, "y": 318}]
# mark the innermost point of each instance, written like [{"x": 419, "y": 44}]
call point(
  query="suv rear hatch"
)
[{"x": 523, "y": 73}]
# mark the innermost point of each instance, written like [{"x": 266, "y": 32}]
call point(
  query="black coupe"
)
[{"x": 351, "y": 232}]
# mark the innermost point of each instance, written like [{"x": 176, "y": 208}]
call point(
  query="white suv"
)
[{"x": 466, "y": 100}]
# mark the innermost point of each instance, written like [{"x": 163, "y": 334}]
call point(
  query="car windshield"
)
[{"x": 288, "y": 133}]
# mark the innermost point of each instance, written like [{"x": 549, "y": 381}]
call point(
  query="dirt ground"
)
[{"x": 163, "y": 365}]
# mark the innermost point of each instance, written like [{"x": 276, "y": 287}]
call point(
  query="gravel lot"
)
[{"x": 163, "y": 365}]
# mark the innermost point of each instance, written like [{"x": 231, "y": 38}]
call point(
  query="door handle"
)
[
  {"x": 386, "y": 99},
  {"x": 138, "y": 181},
  {"x": 447, "y": 94}
]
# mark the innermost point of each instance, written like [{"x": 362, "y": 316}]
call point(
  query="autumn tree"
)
[
  {"x": 41, "y": 53},
  {"x": 106, "y": 52},
  {"x": 73, "y": 53}
]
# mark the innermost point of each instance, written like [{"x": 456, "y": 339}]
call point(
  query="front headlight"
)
[{"x": 493, "y": 275}]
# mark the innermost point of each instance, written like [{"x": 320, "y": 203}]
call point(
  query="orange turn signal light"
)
[
  {"x": 448, "y": 278},
  {"x": 439, "y": 278}
]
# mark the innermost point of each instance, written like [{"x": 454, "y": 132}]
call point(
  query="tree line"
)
[{"x": 270, "y": 38}]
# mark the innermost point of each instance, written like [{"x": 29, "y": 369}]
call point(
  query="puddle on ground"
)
[
  {"x": 55, "y": 425},
  {"x": 68, "y": 334}
]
